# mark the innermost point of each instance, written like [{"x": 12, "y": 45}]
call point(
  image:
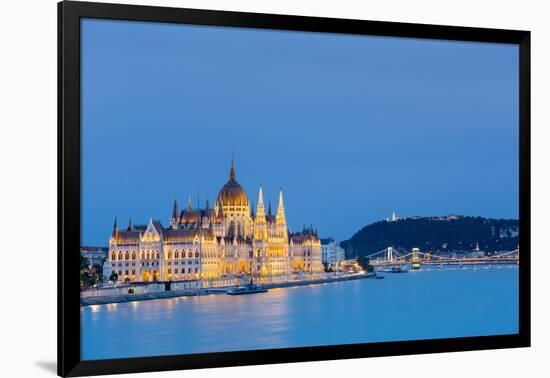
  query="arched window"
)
[
  {"x": 113, "y": 256},
  {"x": 177, "y": 254},
  {"x": 142, "y": 255},
  {"x": 169, "y": 255},
  {"x": 196, "y": 253},
  {"x": 120, "y": 255},
  {"x": 133, "y": 255},
  {"x": 190, "y": 254}
]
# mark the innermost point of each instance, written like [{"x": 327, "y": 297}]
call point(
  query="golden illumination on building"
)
[{"x": 232, "y": 238}]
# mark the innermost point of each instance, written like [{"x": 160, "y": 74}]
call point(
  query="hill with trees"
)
[{"x": 437, "y": 235}]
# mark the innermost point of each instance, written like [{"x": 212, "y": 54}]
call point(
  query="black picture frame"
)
[{"x": 69, "y": 15}]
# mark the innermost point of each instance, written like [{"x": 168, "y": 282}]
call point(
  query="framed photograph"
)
[{"x": 242, "y": 188}]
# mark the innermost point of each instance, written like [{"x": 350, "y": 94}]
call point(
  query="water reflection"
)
[{"x": 427, "y": 304}]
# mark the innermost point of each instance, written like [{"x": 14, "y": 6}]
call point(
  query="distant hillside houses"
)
[
  {"x": 508, "y": 232},
  {"x": 450, "y": 217}
]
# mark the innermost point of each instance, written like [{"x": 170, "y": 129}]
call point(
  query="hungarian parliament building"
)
[{"x": 232, "y": 238}]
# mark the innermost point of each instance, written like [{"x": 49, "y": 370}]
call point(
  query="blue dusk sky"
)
[{"x": 351, "y": 127}]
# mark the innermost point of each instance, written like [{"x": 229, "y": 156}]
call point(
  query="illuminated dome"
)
[{"x": 232, "y": 193}]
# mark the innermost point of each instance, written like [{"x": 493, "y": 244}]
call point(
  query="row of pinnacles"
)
[{"x": 229, "y": 239}]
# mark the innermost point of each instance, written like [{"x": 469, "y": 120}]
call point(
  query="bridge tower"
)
[
  {"x": 415, "y": 260},
  {"x": 389, "y": 253}
]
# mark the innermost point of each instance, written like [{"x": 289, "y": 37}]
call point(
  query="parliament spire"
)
[{"x": 232, "y": 175}]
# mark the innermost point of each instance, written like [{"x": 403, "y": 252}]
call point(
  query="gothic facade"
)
[{"x": 231, "y": 238}]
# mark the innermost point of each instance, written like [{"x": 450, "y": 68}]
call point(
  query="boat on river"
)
[
  {"x": 398, "y": 269},
  {"x": 395, "y": 269},
  {"x": 249, "y": 288}
]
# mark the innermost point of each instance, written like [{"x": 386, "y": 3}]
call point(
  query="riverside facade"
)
[{"x": 229, "y": 239}]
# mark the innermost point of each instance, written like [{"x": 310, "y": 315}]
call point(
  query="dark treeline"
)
[{"x": 436, "y": 235}]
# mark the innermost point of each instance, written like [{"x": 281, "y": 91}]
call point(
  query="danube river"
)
[{"x": 430, "y": 303}]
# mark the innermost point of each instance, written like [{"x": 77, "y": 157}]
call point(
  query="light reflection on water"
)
[{"x": 423, "y": 304}]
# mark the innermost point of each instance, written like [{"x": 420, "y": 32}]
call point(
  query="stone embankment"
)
[{"x": 98, "y": 300}]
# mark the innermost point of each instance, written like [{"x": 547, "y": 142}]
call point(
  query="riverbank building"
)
[{"x": 231, "y": 238}]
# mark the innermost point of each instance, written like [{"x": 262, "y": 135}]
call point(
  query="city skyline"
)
[
  {"x": 352, "y": 127},
  {"x": 198, "y": 203}
]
